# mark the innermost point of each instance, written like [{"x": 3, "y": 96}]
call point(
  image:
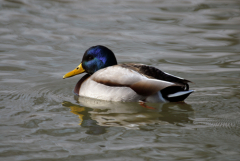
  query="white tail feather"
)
[{"x": 180, "y": 93}]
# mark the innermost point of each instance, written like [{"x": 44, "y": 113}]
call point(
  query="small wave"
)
[{"x": 230, "y": 120}]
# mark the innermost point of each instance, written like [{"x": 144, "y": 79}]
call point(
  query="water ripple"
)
[{"x": 42, "y": 40}]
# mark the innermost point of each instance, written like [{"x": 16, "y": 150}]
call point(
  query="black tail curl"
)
[{"x": 175, "y": 89}]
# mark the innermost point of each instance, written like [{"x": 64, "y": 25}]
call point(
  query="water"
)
[{"x": 41, "y": 119}]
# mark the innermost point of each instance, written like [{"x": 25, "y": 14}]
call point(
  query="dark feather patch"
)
[
  {"x": 110, "y": 83},
  {"x": 144, "y": 89}
]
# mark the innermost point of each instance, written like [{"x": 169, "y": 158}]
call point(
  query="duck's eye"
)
[{"x": 90, "y": 58}]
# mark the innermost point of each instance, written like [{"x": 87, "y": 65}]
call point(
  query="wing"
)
[
  {"x": 118, "y": 76},
  {"x": 153, "y": 72}
]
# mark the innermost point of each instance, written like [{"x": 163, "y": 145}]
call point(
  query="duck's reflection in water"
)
[{"x": 97, "y": 115}]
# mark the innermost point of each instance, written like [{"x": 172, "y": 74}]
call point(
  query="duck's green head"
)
[{"x": 95, "y": 58}]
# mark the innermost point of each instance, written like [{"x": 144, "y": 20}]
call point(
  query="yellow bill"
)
[{"x": 76, "y": 71}]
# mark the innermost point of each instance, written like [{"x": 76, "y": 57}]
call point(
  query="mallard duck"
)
[{"x": 128, "y": 82}]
